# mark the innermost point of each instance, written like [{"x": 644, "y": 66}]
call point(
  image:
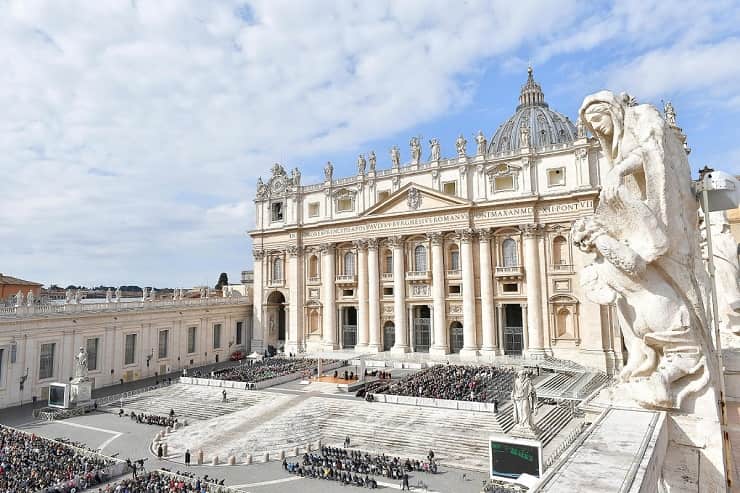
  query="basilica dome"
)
[{"x": 545, "y": 126}]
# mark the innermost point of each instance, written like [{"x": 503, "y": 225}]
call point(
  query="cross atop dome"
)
[{"x": 531, "y": 94}]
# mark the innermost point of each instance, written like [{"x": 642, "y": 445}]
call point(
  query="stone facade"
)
[
  {"x": 469, "y": 254},
  {"x": 124, "y": 341}
]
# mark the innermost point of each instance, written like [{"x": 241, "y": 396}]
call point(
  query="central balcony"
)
[
  {"x": 418, "y": 275},
  {"x": 314, "y": 280},
  {"x": 276, "y": 283},
  {"x": 387, "y": 276},
  {"x": 454, "y": 274},
  {"x": 511, "y": 271},
  {"x": 346, "y": 279}
]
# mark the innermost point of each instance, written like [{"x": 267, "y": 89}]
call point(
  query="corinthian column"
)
[
  {"x": 535, "y": 326},
  {"x": 470, "y": 346},
  {"x": 399, "y": 296},
  {"x": 362, "y": 311},
  {"x": 440, "y": 346},
  {"x": 373, "y": 296},
  {"x": 486, "y": 294},
  {"x": 295, "y": 291},
  {"x": 258, "y": 336},
  {"x": 328, "y": 277}
]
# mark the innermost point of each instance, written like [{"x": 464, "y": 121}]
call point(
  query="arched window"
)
[
  {"x": 510, "y": 257},
  {"x": 313, "y": 321},
  {"x": 454, "y": 258},
  {"x": 277, "y": 269},
  {"x": 563, "y": 324},
  {"x": 420, "y": 258},
  {"x": 313, "y": 266},
  {"x": 559, "y": 251},
  {"x": 349, "y": 264}
]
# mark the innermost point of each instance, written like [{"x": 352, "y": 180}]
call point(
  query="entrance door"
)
[
  {"x": 281, "y": 323},
  {"x": 456, "y": 337},
  {"x": 422, "y": 329},
  {"x": 513, "y": 339},
  {"x": 389, "y": 336},
  {"x": 349, "y": 328}
]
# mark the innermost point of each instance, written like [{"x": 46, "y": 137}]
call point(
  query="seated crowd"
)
[
  {"x": 31, "y": 463},
  {"x": 454, "y": 382},
  {"x": 153, "y": 419},
  {"x": 266, "y": 369},
  {"x": 355, "y": 467},
  {"x": 160, "y": 482}
]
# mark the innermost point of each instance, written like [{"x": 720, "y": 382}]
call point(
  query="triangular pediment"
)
[{"x": 415, "y": 198}]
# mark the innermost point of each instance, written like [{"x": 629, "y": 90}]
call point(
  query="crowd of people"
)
[
  {"x": 266, "y": 369},
  {"x": 160, "y": 482},
  {"x": 454, "y": 382},
  {"x": 154, "y": 419},
  {"x": 32, "y": 463},
  {"x": 355, "y": 467}
]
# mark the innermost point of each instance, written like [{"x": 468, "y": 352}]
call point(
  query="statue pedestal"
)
[
  {"x": 525, "y": 432},
  {"x": 80, "y": 392}
]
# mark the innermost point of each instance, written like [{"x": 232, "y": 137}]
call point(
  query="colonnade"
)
[{"x": 369, "y": 302}]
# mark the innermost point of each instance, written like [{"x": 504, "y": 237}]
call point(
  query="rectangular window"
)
[
  {"x": 130, "y": 350},
  {"x": 455, "y": 260},
  {"x": 277, "y": 211},
  {"x": 348, "y": 293},
  {"x": 455, "y": 290},
  {"x": 216, "y": 336},
  {"x": 387, "y": 291},
  {"x": 503, "y": 183},
  {"x": 511, "y": 288},
  {"x": 383, "y": 195},
  {"x": 313, "y": 209},
  {"x": 92, "y": 353},
  {"x": 344, "y": 204},
  {"x": 46, "y": 361},
  {"x": 556, "y": 177},
  {"x": 164, "y": 336},
  {"x": 191, "y": 339},
  {"x": 450, "y": 187},
  {"x": 239, "y": 328},
  {"x": 388, "y": 264}
]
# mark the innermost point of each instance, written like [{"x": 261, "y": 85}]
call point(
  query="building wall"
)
[
  {"x": 8, "y": 290},
  {"x": 24, "y": 333}
]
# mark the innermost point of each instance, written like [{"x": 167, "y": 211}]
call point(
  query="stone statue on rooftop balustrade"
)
[
  {"x": 78, "y": 296},
  {"x": 144, "y": 294},
  {"x": 118, "y": 294},
  {"x": 361, "y": 163},
  {"x": 395, "y": 157},
  {"x": 434, "y": 144},
  {"x": 296, "y": 177},
  {"x": 68, "y": 296},
  {"x": 30, "y": 298},
  {"x": 460, "y": 145},
  {"x": 481, "y": 143},
  {"x": 328, "y": 171},
  {"x": 108, "y": 295},
  {"x": 372, "y": 158},
  {"x": 644, "y": 235},
  {"x": 415, "y": 150},
  {"x": 19, "y": 298}
]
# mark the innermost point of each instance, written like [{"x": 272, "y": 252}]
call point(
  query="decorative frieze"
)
[{"x": 420, "y": 290}]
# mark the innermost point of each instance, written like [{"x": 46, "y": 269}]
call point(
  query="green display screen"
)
[{"x": 510, "y": 460}]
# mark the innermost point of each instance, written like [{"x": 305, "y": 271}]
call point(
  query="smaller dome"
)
[{"x": 544, "y": 126}]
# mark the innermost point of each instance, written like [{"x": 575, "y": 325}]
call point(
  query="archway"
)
[
  {"x": 276, "y": 318},
  {"x": 456, "y": 337},
  {"x": 389, "y": 335}
]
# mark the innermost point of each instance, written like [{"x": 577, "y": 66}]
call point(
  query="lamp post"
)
[{"x": 719, "y": 191}]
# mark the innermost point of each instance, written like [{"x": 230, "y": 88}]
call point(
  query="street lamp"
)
[{"x": 719, "y": 191}]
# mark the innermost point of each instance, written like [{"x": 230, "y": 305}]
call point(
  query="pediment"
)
[{"x": 414, "y": 198}]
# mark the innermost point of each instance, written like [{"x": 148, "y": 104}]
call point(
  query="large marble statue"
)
[
  {"x": 415, "y": 149},
  {"x": 524, "y": 135},
  {"x": 296, "y": 177},
  {"x": 19, "y": 298},
  {"x": 261, "y": 188},
  {"x": 726, "y": 269},
  {"x": 395, "y": 157},
  {"x": 460, "y": 145},
  {"x": 670, "y": 114},
  {"x": 68, "y": 296},
  {"x": 78, "y": 296},
  {"x": 480, "y": 141},
  {"x": 434, "y": 144},
  {"x": 118, "y": 294},
  {"x": 645, "y": 238},
  {"x": 373, "y": 161},
  {"x": 524, "y": 398},
  {"x": 144, "y": 294},
  {"x": 30, "y": 298},
  {"x": 328, "y": 171},
  {"x": 108, "y": 295},
  {"x": 361, "y": 163},
  {"x": 80, "y": 370}
]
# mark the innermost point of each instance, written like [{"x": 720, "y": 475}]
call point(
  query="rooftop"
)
[{"x": 15, "y": 281}]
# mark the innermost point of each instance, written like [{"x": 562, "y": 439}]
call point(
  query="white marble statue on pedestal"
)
[
  {"x": 460, "y": 145},
  {"x": 435, "y": 147},
  {"x": 78, "y": 296},
  {"x": 68, "y": 296},
  {"x": 415, "y": 150},
  {"x": 80, "y": 370},
  {"x": 524, "y": 399},
  {"x": 726, "y": 269},
  {"x": 144, "y": 294},
  {"x": 481, "y": 143},
  {"x": 645, "y": 237},
  {"x": 19, "y": 298},
  {"x": 372, "y": 158},
  {"x": 361, "y": 164},
  {"x": 395, "y": 157},
  {"x": 30, "y": 298},
  {"x": 108, "y": 295},
  {"x": 118, "y": 294}
]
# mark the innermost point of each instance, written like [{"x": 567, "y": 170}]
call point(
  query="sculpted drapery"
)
[{"x": 645, "y": 237}]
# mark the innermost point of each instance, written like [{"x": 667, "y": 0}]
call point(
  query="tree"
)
[{"x": 223, "y": 280}]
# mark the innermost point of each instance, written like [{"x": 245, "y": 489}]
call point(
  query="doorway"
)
[
  {"x": 349, "y": 327},
  {"x": 276, "y": 318},
  {"x": 456, "y": 337},
  {"x": 513, "y": 333},
  {"x": 422, "y": 328},
  {"x": 389, "y": 335}
]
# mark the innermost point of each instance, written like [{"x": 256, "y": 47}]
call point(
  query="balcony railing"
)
[
  {"x": 509, "y": 271},
  {"x": 247, "y": 277},
  {"x": 562, "y": 267},
  {"x": 276, "y": 283},
  {"x": 314, "y": 280},
  {"x": 387, "y": 276},
  {"x": 454, "y": 274},
  {"x": 418, "y": 275},
  {"x": 346, "y": 278}
]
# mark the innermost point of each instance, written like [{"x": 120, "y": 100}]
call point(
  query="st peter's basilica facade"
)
[{"x": 467, "y": 254}]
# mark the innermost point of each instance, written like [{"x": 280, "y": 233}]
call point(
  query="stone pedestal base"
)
[
  {"x": 400, "y": 349},
  {"x": 468, "y": 354},
  {"x": 524, "y": 432},
  {"x": 535, "y": 353},
  {"x": 374, "y": 348},
  {"x": 80, "y": 392},
  {"x": 438, "y": 351}
]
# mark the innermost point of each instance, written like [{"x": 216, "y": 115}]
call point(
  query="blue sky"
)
[{"x": 132, "y": 133}]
